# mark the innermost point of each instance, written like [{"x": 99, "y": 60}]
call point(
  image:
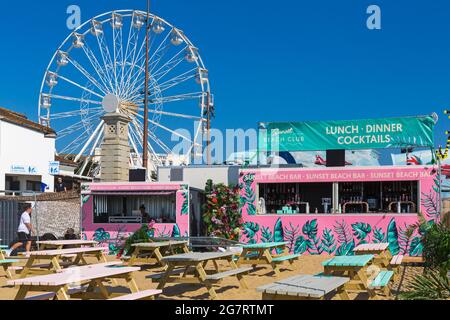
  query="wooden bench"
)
[
  {"x": 7, "y": 265},
  {"x": 289, "y": 258},
  {"x": 157, "y": 276},
  {"x": 381, "y": 282},
  {"x": 52, "y": 295},
  {"x": 395, "y": 264},
  {"x": 234, "y": 272},
  {"x": 306, "y": 287},
  {"x": 141, "y": 295}
]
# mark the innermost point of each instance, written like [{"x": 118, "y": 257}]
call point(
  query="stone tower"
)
[{"x": 115, "y": 149}]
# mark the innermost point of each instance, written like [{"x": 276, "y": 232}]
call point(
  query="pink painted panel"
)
[{"x": 337, "y": 233}]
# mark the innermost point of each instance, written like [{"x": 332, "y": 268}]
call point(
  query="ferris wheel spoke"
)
[
  {"x": 168, "y": 66},
  {"x": 168, "y": 99},
  {"x": 133, "y": 144},
  {"x": 69, "y": 114},
  {"x": 160, "y": 50},
  {"x": 75, "y": 143},
  {"x": 107, "y": 60},
  {"x": 118, "y": 56},
  {"x": 80, "y": 86},
  {"x": 130, "y": 53},
  {"x": 172, "y": 114},
  {"x": 167, "y": 129},
  {"x": 89, "y": 141},
  {"x": 53, "y": 96},
  {"x": 175, "y": 81},
  {"x": 158, "y": 141},
  {"x": 94, "y": 146},
  {"x": 97, "y": 67},
  {"x": 76, "y": 126},
  {"x": 137, "y": 61},
  {"x": 80, "y": 68},
  {"x": 151, "y": 150},
  {"x": 158, "y": 54}
]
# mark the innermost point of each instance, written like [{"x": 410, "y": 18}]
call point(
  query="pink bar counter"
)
[{"x": 338, "y": 234}]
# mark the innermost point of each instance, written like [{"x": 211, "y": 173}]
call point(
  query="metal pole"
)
[
  {"x": 440, "y": 188},
  {"x": 37, "y": 219},
  {"x": 145, "y": 142}
]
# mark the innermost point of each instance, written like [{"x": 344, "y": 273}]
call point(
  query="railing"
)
[{"x": 13, "y": 195}]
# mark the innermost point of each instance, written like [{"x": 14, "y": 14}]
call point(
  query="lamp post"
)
[{"x": 146, "y": 93}]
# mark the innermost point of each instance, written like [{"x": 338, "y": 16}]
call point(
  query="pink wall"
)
[
  {"x": 337, "y": 233},
  {"x": 111, "y": 234}
]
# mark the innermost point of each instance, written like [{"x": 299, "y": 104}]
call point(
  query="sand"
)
[{"x": 229, "y": 289}]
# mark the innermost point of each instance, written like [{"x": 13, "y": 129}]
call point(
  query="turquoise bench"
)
[
  {"x": 247, "y": 256},
  {"x": 381, "y": 282},
  {"x": 6, "y": 265},
  {"x": 4, "y": 247},
  {"x": 289, "y": 258}
]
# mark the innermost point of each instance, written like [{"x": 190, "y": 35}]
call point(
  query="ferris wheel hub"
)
[{"x": 110, "y": 103}]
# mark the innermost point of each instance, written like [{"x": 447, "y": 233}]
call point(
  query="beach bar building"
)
[{"x": 333, "y": 208}]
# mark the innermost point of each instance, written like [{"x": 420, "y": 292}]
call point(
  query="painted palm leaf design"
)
[
  {"x": 392, "y": 237},
  {"x": 328, "y": 243},
  {"x": 250, "y": 231},
  {"x": 345, "y": 239},
  {"x": 361, "y": 231},
  {"x": 379, "y": 236}
]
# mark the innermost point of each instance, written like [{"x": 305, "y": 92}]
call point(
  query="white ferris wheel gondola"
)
[{"x": 100, "y": 68}]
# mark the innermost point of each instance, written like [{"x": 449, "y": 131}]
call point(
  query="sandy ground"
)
[{"x": 229, "y": 289}]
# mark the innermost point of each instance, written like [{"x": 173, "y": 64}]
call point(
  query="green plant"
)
[
  {"x": 430, "y": 286},
  {"x": 142, "y": 235},
  {"x": 435, "y": 245}
]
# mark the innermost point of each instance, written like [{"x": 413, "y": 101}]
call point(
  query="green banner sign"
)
[{"x": 348, "y": 135}]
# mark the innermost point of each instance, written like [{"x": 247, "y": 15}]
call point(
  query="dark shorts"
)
[{"x": 22, "y": 236}]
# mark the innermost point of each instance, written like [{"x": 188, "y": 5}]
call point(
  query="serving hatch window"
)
[{"x": 135, "y": 209}]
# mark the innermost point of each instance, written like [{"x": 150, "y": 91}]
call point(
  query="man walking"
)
[{"x": 24, "y": 231}]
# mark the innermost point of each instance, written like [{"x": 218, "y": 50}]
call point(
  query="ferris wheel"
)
[{"x": 100, "y": 68}]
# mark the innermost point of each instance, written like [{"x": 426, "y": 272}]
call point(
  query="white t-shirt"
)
[{"x": 25, "y": 218}]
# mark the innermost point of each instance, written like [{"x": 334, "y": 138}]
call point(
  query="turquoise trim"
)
[
  {"x": 265, "y": 245},
  {"x": 349, "y": 261},
  {"x": 382, "y": 279}
]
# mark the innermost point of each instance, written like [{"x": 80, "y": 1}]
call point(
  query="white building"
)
[{"x": 26, "y": 150}]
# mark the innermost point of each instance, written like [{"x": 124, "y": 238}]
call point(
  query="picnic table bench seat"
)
[
  {"x": 141, "y": 295},
  {"x": 397, "y": 260},
  {"x": 229, "y": 273},
  {"x": 7, "y": 265},
  {"x": 156, "y": 276},
  {"x": 304, "y": 287},
  {"x": 52, "y": 295},
  {"x": 9, "y": 261},
  {"x": 381, "y": 282},
  {"x": 289, "y": 258}
]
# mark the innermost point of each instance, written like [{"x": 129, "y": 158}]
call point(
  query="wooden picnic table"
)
[
  {"x": 197, "y": 261},
  {"x": 305, "y": 287},
  {"x": 353, "y": 267},
  {"x": 59, "y": 244},
  {"x": 94, "y": 276},
  {"x": 261, "y": 254},
  {"x": 380, "y": 250},
  {"x": 155, "y": 251},
  {"x": 54, "y": 256}
]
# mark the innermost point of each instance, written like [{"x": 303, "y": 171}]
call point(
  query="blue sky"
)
[{"x": 279, "y": 60}]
